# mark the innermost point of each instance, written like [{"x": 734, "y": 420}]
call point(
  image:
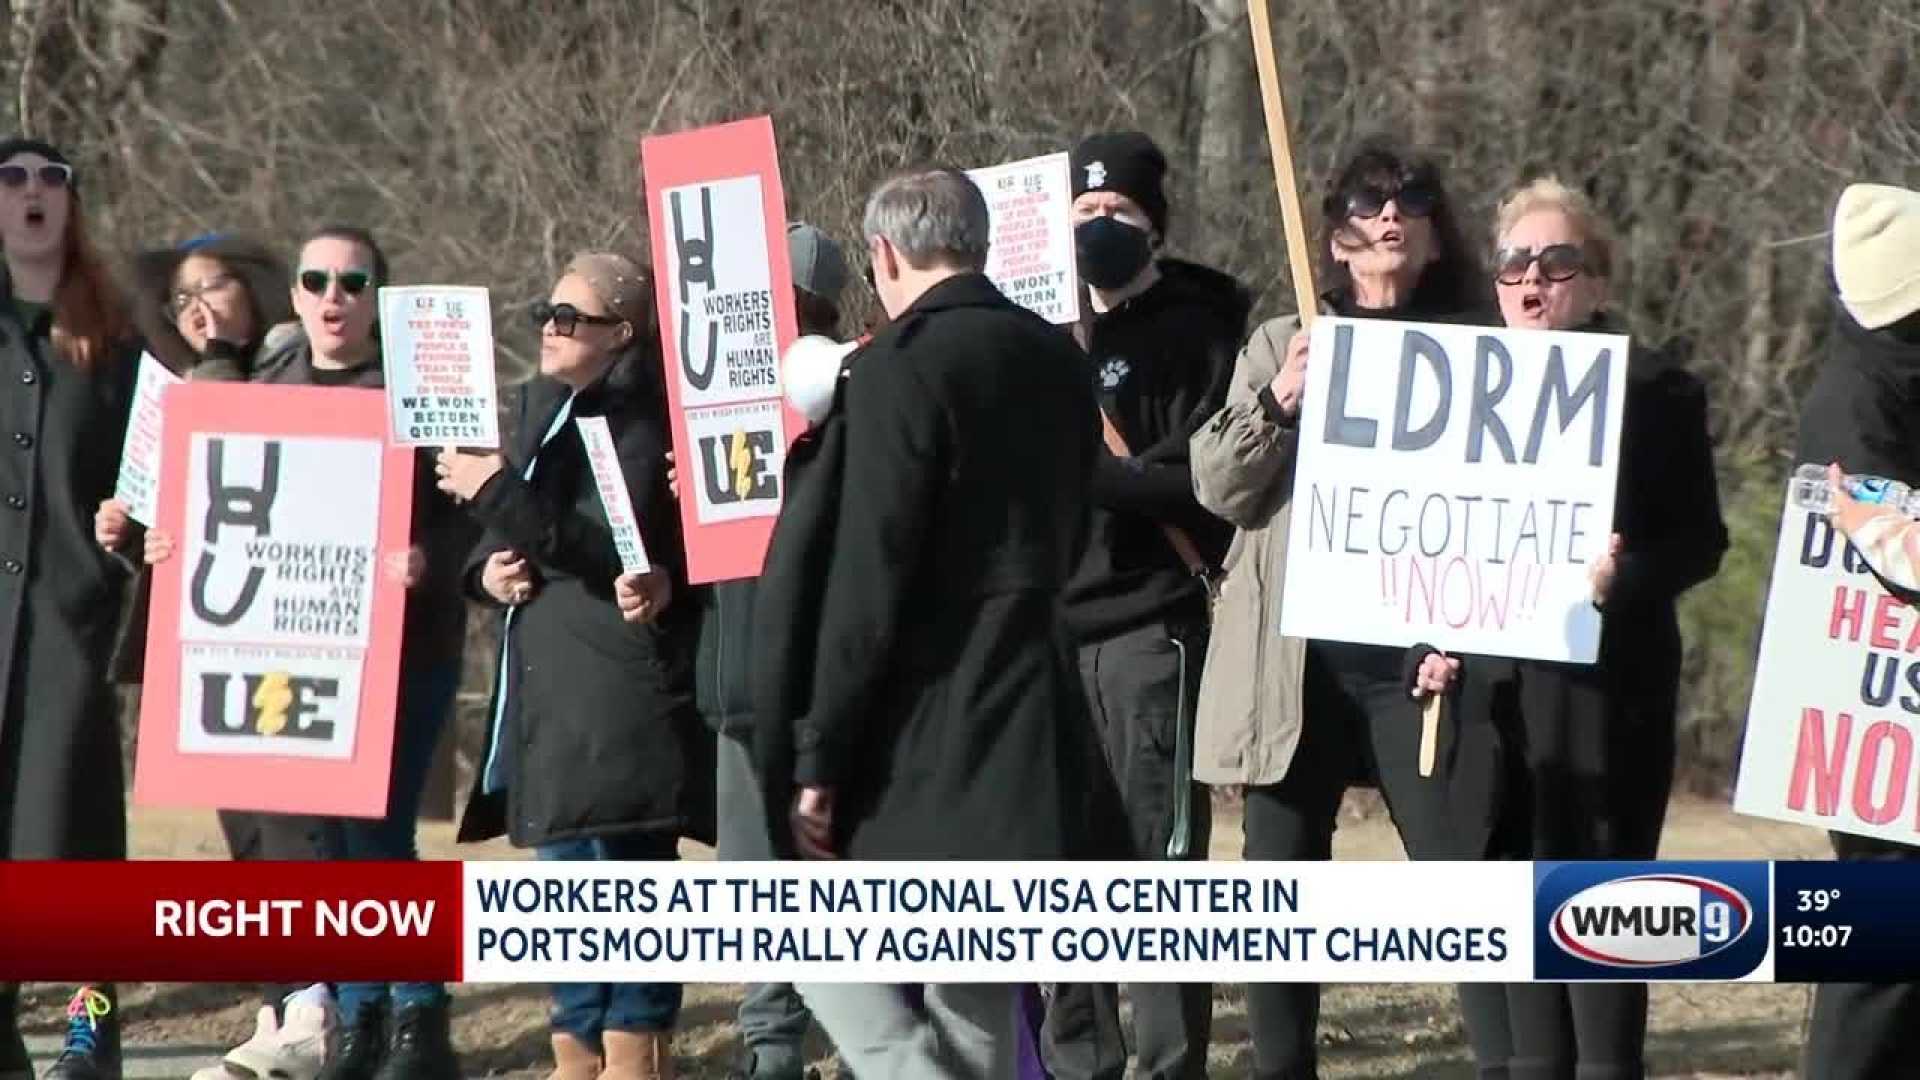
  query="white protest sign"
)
[
  {"x": 138, "y": 488},
  {"x": 612, "y": 483},
  {"x": 726, "y": 335},
  {"x": 1453, "y": 485},
  {"x": 437, "y": 341},
  {"x": 1030, "y": 256},
  {"x": 295, "y": 602},
  {"x": 1836, "y": 696}
]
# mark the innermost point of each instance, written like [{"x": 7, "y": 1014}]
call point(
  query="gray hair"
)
[{"x": 932, "y": 216}]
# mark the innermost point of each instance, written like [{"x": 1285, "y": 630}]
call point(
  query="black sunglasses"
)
[
  {"x": 53, "y": 174},
  {"x": 1414, "y": 198},
  {"x": 566, "y": 317},
  {"x": 352, "y": 282},
  {"x": 1558, "y": 262}
]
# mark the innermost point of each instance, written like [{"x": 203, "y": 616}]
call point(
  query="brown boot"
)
[
  {"x": 573, "y": 1059},
  {"x": 638, "y": 1055}
]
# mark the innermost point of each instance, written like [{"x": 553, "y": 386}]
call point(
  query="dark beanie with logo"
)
[{"x": 1125, "y": 163}]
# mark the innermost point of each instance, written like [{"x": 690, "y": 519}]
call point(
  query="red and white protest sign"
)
[
  {"x": 1031, "y": 255},
  {"x": 718, "y": 219},
  {"x": 603, "y": 457},
  {"x": 1836, "y": 695},
  {"x": 138, "y": 487},
  {"x": 273, "y": 646},
  {"x": 437, "y": 344}
]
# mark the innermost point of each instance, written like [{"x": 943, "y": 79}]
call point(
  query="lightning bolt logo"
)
[
  {"x": 271, "y": 700},
  {"x": 741, "y": 458}
]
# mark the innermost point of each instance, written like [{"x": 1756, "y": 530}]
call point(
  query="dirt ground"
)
[{"x": 1372, "y": 1031}]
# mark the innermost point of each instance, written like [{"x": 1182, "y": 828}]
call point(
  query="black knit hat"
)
[
  {"x": 21, "y": 144},
  {"x": 1125, "y": 163}
]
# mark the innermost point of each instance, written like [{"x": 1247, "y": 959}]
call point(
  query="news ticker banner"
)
[{"x": 511, "y": 922}]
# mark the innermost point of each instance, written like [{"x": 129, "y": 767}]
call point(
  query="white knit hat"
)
[{"x": 1876, "y": 253}]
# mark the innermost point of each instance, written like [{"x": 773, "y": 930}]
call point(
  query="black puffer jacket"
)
[{"x": 595, "y": 730}]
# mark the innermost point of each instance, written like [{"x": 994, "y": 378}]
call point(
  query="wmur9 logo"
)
[{"x": 1651, "y": 921}]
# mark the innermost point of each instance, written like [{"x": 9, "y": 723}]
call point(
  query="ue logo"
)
[{"x": 1650, "y": 920}]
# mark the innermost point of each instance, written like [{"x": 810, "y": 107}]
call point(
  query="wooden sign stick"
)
[
  {"x": 1429, "y": 731},
  {"x": 1292, "y": 218}
]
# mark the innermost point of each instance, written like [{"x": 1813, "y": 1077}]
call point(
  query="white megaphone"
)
[{"x": 810, "y": 371}]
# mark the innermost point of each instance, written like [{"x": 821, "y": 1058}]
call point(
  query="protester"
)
[
  {"x": 921, "y": 702},
  {"x": 204, "y": 309},
  {"x": 1863, "y": 414},
  {"x": 773, "y": 1018},
  {"x": 595, "y": 751},
  {"x": 400, "y": 1029},
  {"x": 1294, "y": 720},
  {"x": 1161, "y": 334},
  {"x": 1585, "y": 768},
  {"x": 67, "y": 358}
]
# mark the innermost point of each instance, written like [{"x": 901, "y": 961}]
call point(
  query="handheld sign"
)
[
  {"x": 138, "y": 488},
  {"x": 1453, "y": 485},
  {"x": 614, "y": 498},
  {"x": 1030, "y": 254},
  {"x": 725, "y": 291},
  {"x": 438, "y": 345},
  {"x": 273, "y": 647},
  {"x": 1830, "y": 727}
]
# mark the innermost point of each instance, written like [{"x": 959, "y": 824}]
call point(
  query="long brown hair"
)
[{"x": 89, "y": 312}]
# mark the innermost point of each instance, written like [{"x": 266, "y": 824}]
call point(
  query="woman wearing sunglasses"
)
[
  {"x": 1292, "y": 720},
  {"x": 1586, "y": 752},
  {"x": 596, "y": 750},
  {"x": 67, "y": 353},
  {"x": 387, "y": 1030}
]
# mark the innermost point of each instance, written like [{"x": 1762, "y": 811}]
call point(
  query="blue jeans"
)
[
  {"x": 426, "y": 700},
  {"x": 585, "y": 1010}
]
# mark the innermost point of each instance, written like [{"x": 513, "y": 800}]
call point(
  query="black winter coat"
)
[
  {"x": 595, "y": 730},
  {"x": 1160, "y": 365},
  {"x": 61, "y": 787},
  {"x": 1584, "y": 753},
  {"x": 724, "y": 690},
  {"x": 1863, "y": 411},
  {"x": 943, "y": 705}
]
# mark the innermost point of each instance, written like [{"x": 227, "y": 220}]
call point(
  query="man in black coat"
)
[
  {"x": 943, "y": 719},
  {"x": 1161, "y": 336},
  {"x": 1864, "y": 413}
]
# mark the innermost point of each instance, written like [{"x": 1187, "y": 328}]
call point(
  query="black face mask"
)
[{"x": 1111, "y": 252}]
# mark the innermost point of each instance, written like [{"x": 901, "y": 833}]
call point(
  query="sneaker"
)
[
  {"x": 785, "y": 1067},
  {"x": 422, "y": 1045},
  {"x": 295, "y": 1049},
  {"x": 359, "y": 1044},
  {"x": 93, "y": 1039}
]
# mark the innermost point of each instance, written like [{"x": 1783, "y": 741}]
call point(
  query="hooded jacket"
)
[{"x": 1160, "y": 364}]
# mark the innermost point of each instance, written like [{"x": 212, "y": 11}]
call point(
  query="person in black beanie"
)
[{"x": 1161, "y": 335}]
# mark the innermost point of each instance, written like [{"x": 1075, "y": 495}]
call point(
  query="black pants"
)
[
  {"x": 1587, "y": 770},
  {"x": 1864, "y": 1031},
  {"x": 1141, "y": 688},
  {"x": 1343, "y": 691}
]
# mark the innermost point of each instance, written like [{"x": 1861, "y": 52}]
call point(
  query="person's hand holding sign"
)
[
  {"x": 508, "y": 578},
  {"x": 1289, "y": 384},
  {"x": 673, "y": 476},
  {"x": 158, "y": 548},
  {"x": 408, "y": 567},
  {"x": 1436, "y": 674},
  {"x": 463, "y": 475},
  {"x": 1603, "y": 570},
  {"x": 1848, "y": 513},
  {"x": 642, "y": 597},
  {"x": 110, "y": 525}
]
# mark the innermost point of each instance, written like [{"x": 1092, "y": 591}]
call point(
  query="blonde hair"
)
[{"x": 1548, "y": 193}]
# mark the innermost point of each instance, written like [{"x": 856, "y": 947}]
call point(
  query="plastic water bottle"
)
[{"x": 1810, "y": 491}]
